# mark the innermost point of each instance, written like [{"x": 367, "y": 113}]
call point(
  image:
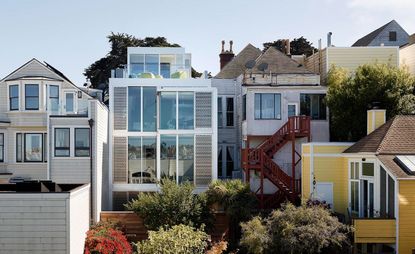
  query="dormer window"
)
[
  {"x": 31, "y": 97},
  {"x": 392, "y": 36},
  {"x": 14, "y": 97}
]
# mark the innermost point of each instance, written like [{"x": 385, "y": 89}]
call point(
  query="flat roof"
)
[{"x": 38, "y": 187}]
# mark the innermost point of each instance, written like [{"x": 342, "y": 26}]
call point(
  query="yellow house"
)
[{"x": 371, "y": 182}]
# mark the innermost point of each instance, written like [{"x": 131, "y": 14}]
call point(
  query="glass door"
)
[
  {"x": 367, "y": 187},
  {"x": 69, "y": 102},
  {"x": 292, "y": 109}
]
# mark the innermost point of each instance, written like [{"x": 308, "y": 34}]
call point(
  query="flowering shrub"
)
[{"x": 106, "y": 238}]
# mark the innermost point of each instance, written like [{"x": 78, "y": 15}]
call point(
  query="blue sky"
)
[{"x": 71, "y": 35}]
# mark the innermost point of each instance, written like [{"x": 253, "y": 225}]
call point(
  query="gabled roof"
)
[
  {"x": 367, "y": 39},
  {"x": 237, "y": 66},
  {"x": 279, "y": 63},
  {"x": 396, "y": 136}
]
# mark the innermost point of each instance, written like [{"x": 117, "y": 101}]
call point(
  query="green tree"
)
[
  {"x": 298, "y": 46},
  {"x": 350, "y": 95},
  {"x": 99, "y": 72},
  {"x": 300, "y": 230},
  {"x": 175, "y": 204}
]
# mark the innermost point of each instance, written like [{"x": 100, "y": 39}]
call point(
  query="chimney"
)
[
  {"x": 287, "y": 47},
  {"x": 329, "y": 39},
  {"x": 375, "y": 117},
  {"x": 226, "y": 55}
]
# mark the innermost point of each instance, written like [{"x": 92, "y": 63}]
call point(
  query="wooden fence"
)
[{"x": 135, "y": 230}]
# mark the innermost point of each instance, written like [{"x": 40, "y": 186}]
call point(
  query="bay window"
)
[
  {"x": 82, "y": 144},
  {"x": 31, "y": 97},
  {"x": 14, "y": 97},
  {"x": 62, "y": 142},
  {"x": 313, "y": 105},
  {"x": 267, "y": 106}
]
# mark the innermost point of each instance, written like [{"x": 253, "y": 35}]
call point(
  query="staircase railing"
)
[{"x": 276, "y": 174}]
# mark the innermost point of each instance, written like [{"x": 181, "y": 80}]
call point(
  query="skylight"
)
[{"x": 406, "y": 162}]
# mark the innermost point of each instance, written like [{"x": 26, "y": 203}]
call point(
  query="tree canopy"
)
[
  {"x": 350, "y": 95},
  {"x": 99, "y": 72},
  {"x": 298, "y": 46}
]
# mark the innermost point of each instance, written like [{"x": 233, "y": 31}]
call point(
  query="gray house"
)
[{"x": 390, "y": 34}]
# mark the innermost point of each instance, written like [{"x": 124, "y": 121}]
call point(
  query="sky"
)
[{"x": 71, "y": 35}]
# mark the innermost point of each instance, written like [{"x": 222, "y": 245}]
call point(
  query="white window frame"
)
[
  {"x": 71, "y": 142},
  {"x": 39, "y": 87},
  {"x": 18, "y": 98},
  {"x": 296, "y": 108}
]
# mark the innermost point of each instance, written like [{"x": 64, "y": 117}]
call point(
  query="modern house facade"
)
[
  {"x": 43, "y": 217},
  {"x": 370, "y": 182},
  {"x": 163, "y": 124},
  {"x": 51, "y": 130}
]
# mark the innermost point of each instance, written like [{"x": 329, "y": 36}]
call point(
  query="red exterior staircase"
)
[{"x": 260, "y": 160}]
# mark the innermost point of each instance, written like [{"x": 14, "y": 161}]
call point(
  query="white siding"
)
[
  {"x": 79, "y": 209},
  {"x": 407, "y": 58}
]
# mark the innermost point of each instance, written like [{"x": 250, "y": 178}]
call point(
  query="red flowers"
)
[{"x": 105, "y": 239}]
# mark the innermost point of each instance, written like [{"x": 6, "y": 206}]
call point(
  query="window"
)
[
  {"x": 168, "y": 107},
  {"x": 149, "y": 108},
  {"x": 33, "y": 151},
  {"x": 62, "y": 142},
  {"x": 220, "y": 175},
  {"x": 14, "y": 97},
  {"x": 69, "y": 102},
  {"x": 136, "y": 64},
  {"x": 368, "y": 169},
  {"x": 313, "y": 105},
  {"x": 54, "y": 98},
  {"x": 229, "y": 112},
  {"x": 267, "y": 106},
  {"x": 230, "y": 154},
  {"x": 142, "y": 160},
  {"x": 292, "y": 109},
  {"x": 134, "y": 160},
  {"x": 392, "y": 36},
  {"x": 32, "y": 97},
  {"x": 168, "y": 156},
  {"x": 186, "y": 159},
  {"x": 186, "y": 110},
  {"x": 82, "y": 145},
  {"x": 19, "y": 149},
  {"x": 152, "y": 64},
  {"x": 165, "y": 70},
  {"x": 244, "y": 107},
  {"x": 391, "y": 197},
  {"x": 134, "y": 108},
  {"x": 1, "y": 147},
  {"x": 220, "y": 113},
  {"x": 354, "y": 187}
]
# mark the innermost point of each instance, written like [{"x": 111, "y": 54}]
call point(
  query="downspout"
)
[{"x": 91, "y": 124}]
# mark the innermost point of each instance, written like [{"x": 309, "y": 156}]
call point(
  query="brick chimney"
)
[{"x": 226, "y": 55}]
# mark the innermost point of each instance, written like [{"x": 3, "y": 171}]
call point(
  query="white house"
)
[
  {"x": 163, "y": 124},
  {"x": 52, "y": 130}
]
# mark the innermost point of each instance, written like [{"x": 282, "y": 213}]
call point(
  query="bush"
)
[
  {"x": 180, "y": 239},
  {"x": 304, "y": 229},
  {"x": 105, "y": 238},
  {"x": 173, "y": 205}
]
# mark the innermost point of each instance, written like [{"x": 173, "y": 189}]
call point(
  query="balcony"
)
[{"x": 374, "y": 230}]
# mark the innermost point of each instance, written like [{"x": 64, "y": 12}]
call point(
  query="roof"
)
[
  {"x": 390, "y": 163},
  {"x": 279, "y": 63},
  {"x": 367, "y": 39},
  {"x": 237, "y": 66},
  {"x": 395, "y": 137}
]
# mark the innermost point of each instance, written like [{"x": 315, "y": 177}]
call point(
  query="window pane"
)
[
  {"x": 149, "y": 159},
  {"x": 168, "y": 156},
  {"x": 229, "y": 112},
  {"x": 134, "y": 108},
  {"x": 382, "y": 193},
  {"x": 368, "y": 169},
  {"x": 33, "y": 147},
  {"x": 257, "y": 106},
  {"x": 32, "y": 96},
  {"x": 165, "y": 70},
  {"x": 391, "y": 197},
  {"x": 32, "y": 103},
  {"x": 62, "y": 140},
  {"x": 14, "y": 91},
  {"x": 267, "y": 106},
  {"x": 313, "y": 105},
  {"x": 69, "y": 99},
  {"x": 244, "y": 107},
  {"x": 220, "y": 114},
  {"x": 229, "y": 160},
  {"x": 54, "y": 98},
  {"x": 323, "y": 110},
  {"x": 152, "y": 64},
  {"x": 149, "y": 108},
  {"x": 352, "y": 171},
  {"x": 82, "y": 147},
  {"x": 291, "y": 110},
  {"x": 277, "y": 106},
  {"x": 220, "y": 162},
  {"x": 14, "y": 97},
  {"x": 186, "y": 110},
  {"x": 134, "y": 160},
  {"x": 18, "y": 147},
  {"x": 14, "y": 103},
  {"x": 186, "y": 159},
  {"x": 168, "y": 110},
  {"x": 304, "y": 104},
  {"x": 32, "y": 90}
]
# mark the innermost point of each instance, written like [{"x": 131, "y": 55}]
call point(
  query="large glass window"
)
[
  {"x": 149, "y": 149},
  {"x": 220, "y": 113},
  {"x": 267, "y": 106},
  {"x": 165, "y": 70},
  {"x": 142, "y": 160},
  {"x": 354, "y": 187},
  {"x": 32, "y": 97},
  {"x": 134, "y": 108},
  {"x": 54, "y": 98},
  {"x": 313, "y": 105},
  {"x": 229, "y": 112},
  {"x": 62, "y": 142},
  {"x": 134, "y": 160},
  {"x": 33, "y": 147},
  {"x": 149, "y": 108},
  {"x": 168, "y": 156},
  {"x": 186, "y": 110},
  {"x": 168, "y": 110},
  {"x": 136, "y": 64},
  {"x": 152, "y": 64},
  {"x": 82, "y": 145},
  {"x": 186, "y": 159},
  {"x": 14, "y": 97},
  {"x": 1, "y": 147},
  {"x": 70, "y": 102}
]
